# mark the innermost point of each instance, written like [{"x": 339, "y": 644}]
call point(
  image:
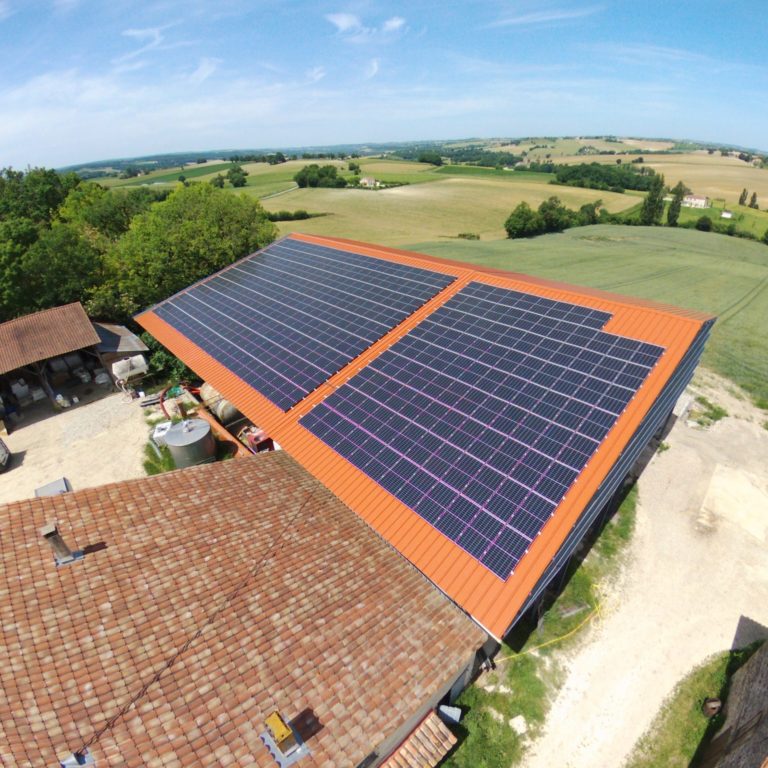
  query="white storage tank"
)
[
  {"x": 191, "y": 442},
  {"x": 222, "y": 409}
]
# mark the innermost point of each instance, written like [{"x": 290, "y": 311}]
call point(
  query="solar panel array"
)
[
  {"x": 482, "y": 417},
  {"x": 288, "y": 317}
]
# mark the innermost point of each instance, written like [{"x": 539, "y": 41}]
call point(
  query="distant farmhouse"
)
[
  {"x": 696, "y": 201},
  {"x": 369, "y": 182}
]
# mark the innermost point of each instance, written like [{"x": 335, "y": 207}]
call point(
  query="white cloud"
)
[
  {"x": 5, "y": 9},
  {"x": 393, "y": 24},
  {"x": 344, "y": 22},
  {"x": 315, "y": 74},
  {"x": 205, "y": 69},
  {"x": 352, "y": 29},
  {"x": 545, "y": 17},
  {"x": 153, "y": 37},
  {"x": 372, "y": 69}
]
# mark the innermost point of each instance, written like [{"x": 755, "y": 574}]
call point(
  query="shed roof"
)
[
  {"x": 427, "y": 745},
  {"x": 491, "y": 601},
  {"x": 44, "y": 334},
  {"x": 209, "y": 597},
  {"x": 118, "y": 339}
]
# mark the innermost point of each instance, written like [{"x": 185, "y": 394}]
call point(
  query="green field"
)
[
  {"x": 199, "y": 172},
  {"x": 440, "y": 209},
  {"x": 745, "y": 219},
  {"x": 714, "y": 273}
]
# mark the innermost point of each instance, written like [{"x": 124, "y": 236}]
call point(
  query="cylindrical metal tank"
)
[
  {"x": 222, "y": 409},
  {"x": 191, "y": 442}
]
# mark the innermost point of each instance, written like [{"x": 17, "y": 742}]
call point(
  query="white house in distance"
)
[
  {"x": 695, "y": 201},
  {"x": 724, "y": 214},
  {"x": 369, "y": 182}
]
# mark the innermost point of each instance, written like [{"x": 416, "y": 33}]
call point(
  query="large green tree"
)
[
  {"x": 17, "y": 235},
  {"x": 60, "y": 267},
  {"x": 555, "y": 216},
  {"x": 35, "y": 194},
  {"x": 653, "y": 204},
  {"x": 94, "y": 210},
  {"x": 524, "y": 222},
  {"x": 196, "y": 231},
  {"x": 673, "y": 214}
]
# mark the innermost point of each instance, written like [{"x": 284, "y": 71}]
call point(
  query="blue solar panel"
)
[
  {"x": 481, "y": 418},
  {"x": 288, "y": 317}
]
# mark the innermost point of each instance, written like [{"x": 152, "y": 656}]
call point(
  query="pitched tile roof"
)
[
  {"x": 429, "y": 743},
  {"x": 45, "y": 334},
  {"x": 491, "y": 601},
  {"x": 207, "y": 598}
]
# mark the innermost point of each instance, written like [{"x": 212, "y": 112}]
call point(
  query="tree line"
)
[
  {"x": 553, "y": 216},
  {"x": 116, "y": 251}
]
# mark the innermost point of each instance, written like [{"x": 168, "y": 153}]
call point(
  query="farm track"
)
[
  {"x": 741, "y": 304},
  {"x": 645, "y": 278}
]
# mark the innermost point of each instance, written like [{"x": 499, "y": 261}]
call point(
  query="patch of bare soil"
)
[
  {"x": 696, "y": 565},
  {"x": 90, "y": 444}
]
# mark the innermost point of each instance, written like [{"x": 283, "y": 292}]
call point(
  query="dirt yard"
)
[
  {"x": 697, "y": 564},
  {"x": 90, "y": 444}
]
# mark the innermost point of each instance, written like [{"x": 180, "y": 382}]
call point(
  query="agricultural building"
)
[
  {"x": 49, "y": 350},
  {"x": 194, "y": 605},
  {"x": 478, "y": 420}
]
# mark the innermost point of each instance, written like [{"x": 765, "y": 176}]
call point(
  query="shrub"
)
[{"x": 704, "y": 224}]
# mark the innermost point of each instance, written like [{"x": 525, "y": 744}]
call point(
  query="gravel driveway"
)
[
  {"x": 697, "y": 564},
  {"x": 90, "y": 444}
]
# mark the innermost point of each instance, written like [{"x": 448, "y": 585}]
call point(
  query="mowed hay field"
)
[
  {"x": 715, "y": 176},
  {"x": 714, "y": 273},
  {"x": 428, "y": 211}
]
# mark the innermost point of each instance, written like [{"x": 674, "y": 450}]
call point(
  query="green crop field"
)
[
  {"x": 714, "y": 273},
  {"x": 429, "y": 211}
]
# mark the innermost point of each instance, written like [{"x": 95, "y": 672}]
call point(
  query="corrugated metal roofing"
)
[
  {"x": 45, "y": 334},
  {"x": 492, "y": 602}
]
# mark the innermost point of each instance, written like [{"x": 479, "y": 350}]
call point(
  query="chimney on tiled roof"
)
[{"x": 61, "y": 551}]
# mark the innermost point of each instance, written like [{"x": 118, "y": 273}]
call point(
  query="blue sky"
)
[{"x": 92, "y": 79}]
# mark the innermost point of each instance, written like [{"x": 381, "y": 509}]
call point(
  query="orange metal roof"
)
[
  {"x": 45, "y": 334},
  {"x": 489, "y": 600}
]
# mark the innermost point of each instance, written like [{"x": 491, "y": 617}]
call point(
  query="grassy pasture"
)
[
  {"x": 165, "y": 176},
  {"x": 744, "y": 218},
  {"x": 441, "y": 209},
  {"x": 714, "y": 273}
]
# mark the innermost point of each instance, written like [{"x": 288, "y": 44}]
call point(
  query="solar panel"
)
[
  {"x": 286, "y": 318},
  {"x": 481, "y": 418}
]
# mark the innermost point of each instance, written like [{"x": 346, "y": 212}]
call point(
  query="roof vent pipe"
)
[{"x": 61, "y": 551}]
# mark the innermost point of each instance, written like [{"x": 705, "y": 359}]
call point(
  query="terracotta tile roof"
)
[
  {"x": 492, "y": 602},
  {"x": 45, "y": 334},
  {"x": 425, "y": 747},
  {"x": 209, "y": 597}
]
